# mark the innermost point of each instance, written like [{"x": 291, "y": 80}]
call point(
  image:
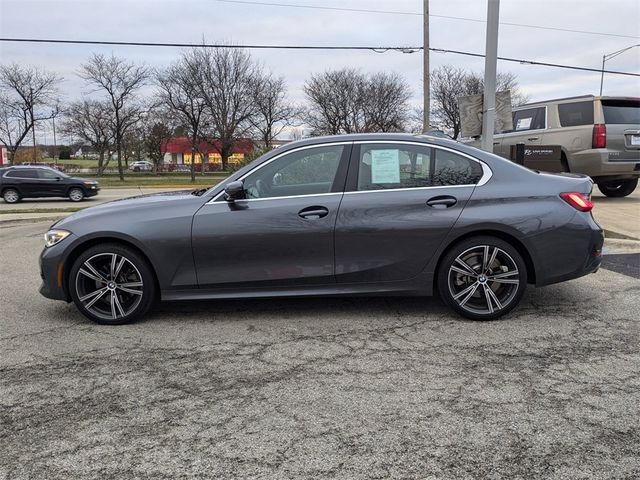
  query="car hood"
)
[{"x": 139, "y": 202}]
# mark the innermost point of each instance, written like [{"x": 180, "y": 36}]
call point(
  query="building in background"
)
[{"x": 177, "y": 151}]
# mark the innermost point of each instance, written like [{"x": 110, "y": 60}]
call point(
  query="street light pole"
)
[
  {"x": 609, "y": 56},
  {"x": 426, "y": 121}
]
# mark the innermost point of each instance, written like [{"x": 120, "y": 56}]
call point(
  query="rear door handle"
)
[
  {"x": 531, "y": 139},
  {"x": 313, "y": 213},
  {"x": 443, "y": 201}
]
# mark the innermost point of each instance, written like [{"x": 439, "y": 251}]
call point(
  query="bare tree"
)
[
  {"x": 384, "y": 102},
  {"x": 348, "y": 101},
  {"x": 155, "y": 139},
  {"x": 26, "y": 96},
  {"x": 448, "y": 83},
  {"x": 227, "y": 82},
  {"x": 121, "y": 81},
  {"x": 90, "y": 121},
  {"x": 273, "y": 112},
  {"x": 179, "y": 91}
]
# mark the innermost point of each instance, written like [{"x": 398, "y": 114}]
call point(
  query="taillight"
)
[
  {"x": 599, "y": 136},
  {"x": 579, "y": 201}
]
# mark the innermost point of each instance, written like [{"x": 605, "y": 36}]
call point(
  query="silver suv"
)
[{"x": 599, "y": 136}]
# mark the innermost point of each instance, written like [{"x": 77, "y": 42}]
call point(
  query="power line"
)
[
  {"x": 311, "y": 47},
  {"x": 449, "y": 17}
]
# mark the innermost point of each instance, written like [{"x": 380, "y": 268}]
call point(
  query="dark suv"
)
[{"x": 32, "y": 182}]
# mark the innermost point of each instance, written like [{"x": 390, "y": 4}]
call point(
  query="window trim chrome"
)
[
  {"x": 258, "y": 167},
  {"x": 486, "y": 170}
]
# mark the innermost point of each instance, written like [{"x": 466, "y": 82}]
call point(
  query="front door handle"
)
[
  {"x": 531, "y": 139},
  {"x": 443, "y": 201},
  {"x": 313, "y": 213}
]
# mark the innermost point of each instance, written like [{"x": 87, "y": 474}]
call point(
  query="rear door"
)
[
  {"x": 622, "y": 120},
  {"x": 25, "y": 180},
  {"x": 402, "y": 199},
  {"x": 528, "y": 127}
]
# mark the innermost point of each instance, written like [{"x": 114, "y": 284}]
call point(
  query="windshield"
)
[{"x": 621, "y": 111}]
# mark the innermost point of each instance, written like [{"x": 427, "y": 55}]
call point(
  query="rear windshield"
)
[{"x": 621, "y": 111}]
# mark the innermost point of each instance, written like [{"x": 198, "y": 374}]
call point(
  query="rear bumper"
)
[
  {"x": 603, "y": 162},
  {"x": 580, "y": 248}
]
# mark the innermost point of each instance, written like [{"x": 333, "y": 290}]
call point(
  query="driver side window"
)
[{"x": 305, "y": 172}]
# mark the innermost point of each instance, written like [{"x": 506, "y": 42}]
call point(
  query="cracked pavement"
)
[{"x": 319, "y": 388}]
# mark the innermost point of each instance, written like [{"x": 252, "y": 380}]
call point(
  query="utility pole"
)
[
  {"x": 426, "y": 84},
  {"x": 55, "y": 145},
  {"x": 490, "y": 66}
]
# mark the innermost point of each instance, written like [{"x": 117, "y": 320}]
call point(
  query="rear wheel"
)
[
  {"x": 112, "y": 284},
  {"x": 11, "y": 195},
  {"x": 76, "y": 194},
  {"x": 482, "y": 278},
  {"x": 618, "y": 188}
]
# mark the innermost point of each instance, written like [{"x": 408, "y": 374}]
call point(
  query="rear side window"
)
[
  {"x": 389, "y": 166},
  {"x": 576, "y": 113},
  {"x": 454, "y": 169},
  {"x": 529, "y": 119},
  {"x": 23, "y": 173},
  {"x": 621, "y": 111}
]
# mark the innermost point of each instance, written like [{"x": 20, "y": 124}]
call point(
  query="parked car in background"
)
[
  {"x": 599, "y": 137},
  {"x": 369, "y": 214},
  {"x": 20, "y": 182},
  {"x": 141, "y": 166}
]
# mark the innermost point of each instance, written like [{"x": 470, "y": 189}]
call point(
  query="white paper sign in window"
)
[
  {"x": 385, "y": 166},
  {"x": 524, "y": 123}
]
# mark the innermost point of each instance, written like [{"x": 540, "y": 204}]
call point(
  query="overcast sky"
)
[{"x": 217, "y": 21}]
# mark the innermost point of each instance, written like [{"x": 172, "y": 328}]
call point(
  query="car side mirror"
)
[
  {"x": 234, "y": 191},
  {"x": 58, "y": 178}
]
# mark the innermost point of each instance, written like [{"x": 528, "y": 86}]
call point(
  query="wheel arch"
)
[
  {"x": 507, "y": 237},
  {"x": 4, "y": 188},
  {"x": 91, "y": 242}
]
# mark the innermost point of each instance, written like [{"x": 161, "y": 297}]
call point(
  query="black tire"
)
[
  {"x": 618, "y": 188},
  {"x": 11, "y": 195},
  {"x": 84, "y": 285},
  {"x": 136, "y": 169},
  {"x": 467, "y": 293},
  {"x": 76, "y": 194}
]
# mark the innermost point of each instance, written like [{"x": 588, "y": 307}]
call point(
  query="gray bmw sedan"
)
[{"x": 369, "y": 214}]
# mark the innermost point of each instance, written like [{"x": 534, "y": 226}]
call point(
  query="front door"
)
[
  {"x": 282, "y": 233},
  {"x": 51, "y": 183},
  {"x": 401, "y": 201}
]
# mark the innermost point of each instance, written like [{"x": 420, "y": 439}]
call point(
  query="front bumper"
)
[{"x": 53, "y": 267}]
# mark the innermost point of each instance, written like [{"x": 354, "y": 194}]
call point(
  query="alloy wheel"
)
[
  {"x": 76, "y": 194},
  {"x": 109, "y": 286},
  {"x": 483, "y": 280}
]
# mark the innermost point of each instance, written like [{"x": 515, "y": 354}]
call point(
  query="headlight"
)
[{"x": 53, "y": 237}]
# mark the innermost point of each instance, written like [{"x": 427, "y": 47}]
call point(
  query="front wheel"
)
[
  {"x": 112, "y": 284},
  {"x": 618, "y": 188},
  {"x": 482, "y": 278},
  {"x": 76, "y": 194}
]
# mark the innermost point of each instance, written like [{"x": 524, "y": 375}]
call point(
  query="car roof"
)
[{"x": 360, "y": 137}]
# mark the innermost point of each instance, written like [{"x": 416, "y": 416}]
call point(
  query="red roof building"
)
[{"x": 177, "y": 150}]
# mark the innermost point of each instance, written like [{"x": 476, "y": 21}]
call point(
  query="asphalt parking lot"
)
[{"x": 321, "y": 388}]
